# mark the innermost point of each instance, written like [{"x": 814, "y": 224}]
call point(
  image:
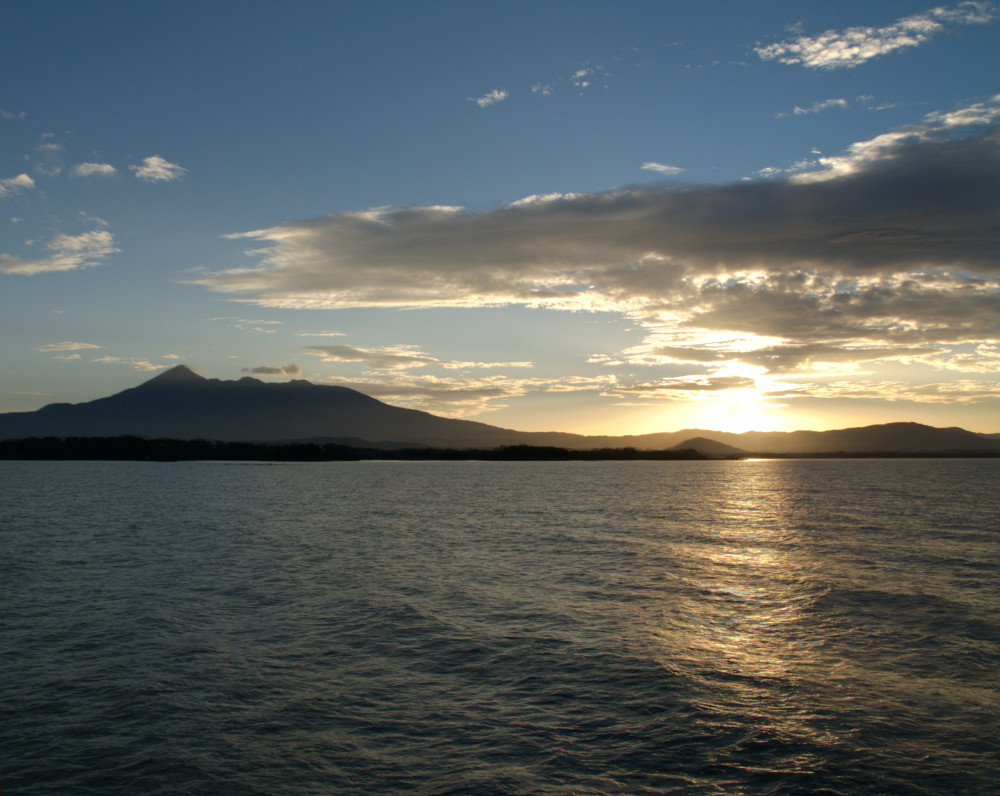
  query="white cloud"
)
[
  {"x": 851, "y": 47},
  {"x": 491, "y": 98},
  {"x": 536, "y": 199},
  {"x": 156, "y": 169},
  {"x": 92, "y": 170},
  {"x": 545, "y": 89},
  {"x": 66, "y": 346},
  {"x": 66, "y": 253},
  {"x": 22, "y": 182},
  {"x": 978, "y": 113},
  {"x": 661, "y": 168}
]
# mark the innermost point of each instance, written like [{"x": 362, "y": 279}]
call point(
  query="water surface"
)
[{"x": 518, "y": 627}]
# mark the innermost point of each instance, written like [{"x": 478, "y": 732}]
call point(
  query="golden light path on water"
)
[{"x": 739, "y": 629}]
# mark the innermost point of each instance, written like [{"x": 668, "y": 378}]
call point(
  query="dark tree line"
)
[{"x": 129, "y": 448}]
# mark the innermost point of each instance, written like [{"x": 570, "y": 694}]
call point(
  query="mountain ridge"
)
[{"x": 182, "y": 404}]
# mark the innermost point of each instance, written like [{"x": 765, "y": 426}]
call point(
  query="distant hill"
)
[
  {"x": 901, "y": 437},
  {"x": 180, "y": 404},
  {"x": 709, "y": 447}
]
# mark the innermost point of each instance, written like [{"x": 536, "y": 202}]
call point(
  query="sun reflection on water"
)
[{"x": 736, "y": 627}]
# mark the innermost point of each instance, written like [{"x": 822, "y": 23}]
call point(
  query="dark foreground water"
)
[{"x": 532, "y": 628}]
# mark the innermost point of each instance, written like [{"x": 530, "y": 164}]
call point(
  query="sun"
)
[{"x": 739, "y": 411}]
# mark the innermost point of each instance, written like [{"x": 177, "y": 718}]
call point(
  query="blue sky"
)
[{"x": 581, "y": 216}]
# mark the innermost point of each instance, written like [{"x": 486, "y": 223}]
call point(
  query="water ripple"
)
[{"x": 556, "y": 628}]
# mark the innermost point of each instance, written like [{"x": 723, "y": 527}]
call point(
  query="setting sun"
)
[{"x": 742, "y": 411}]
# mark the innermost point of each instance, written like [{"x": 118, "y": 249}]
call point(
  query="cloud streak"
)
[
  {"x": 466, "y": 396},
  {"x": 65, "y": 253},
  {"x": 143, "y": 365},
  {"x": 852, "y": 47},
  {"x": 397, "y": 358},
  {"x": 290, "y": 369},
  {"x": 661, "y": 168},
  {"x": 819, "y": 107},
  {"x": 66, "y": 346}
]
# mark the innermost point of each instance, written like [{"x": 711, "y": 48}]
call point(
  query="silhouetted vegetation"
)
[{"x": 130, "y": 448}]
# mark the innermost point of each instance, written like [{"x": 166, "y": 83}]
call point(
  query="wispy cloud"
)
[
  {"x": 490, "y": 98},
  {"x": 156, "y": 169},
  {"x": 400, "y": 357},
  {"x": 964, "y": 391},
  {"x": 816, "y": 107},
  {"x": 9, "y": 185},
  {"x": 92, "y": 170},
  {"x": 469, "y": 395},
  {"x": 49, "y": 150},
  {"x": 661, "y": 168},
  {"x": 851, "y": 47},
  {"x": 136, "y": 364},
  {"x": 66, "y": 346},
  {"x": 65, "y": 253},
  {"x": 586, "y": 76},
  {"x": 290, "y": 369},
  {"x": 49, "y": 143},
  {"x": 250, "y": 324}
]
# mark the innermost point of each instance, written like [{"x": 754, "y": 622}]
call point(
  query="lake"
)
[{"x": 804, "y": 626}]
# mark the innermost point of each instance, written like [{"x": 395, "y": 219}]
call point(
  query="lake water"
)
[{"x": 528, "y": 628}]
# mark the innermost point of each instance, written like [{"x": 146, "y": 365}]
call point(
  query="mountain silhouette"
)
[
  {"x": 710, "y": 447},
  {"x": 180, "y": 404}
]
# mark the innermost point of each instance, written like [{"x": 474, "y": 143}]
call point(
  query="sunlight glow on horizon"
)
[{"x": 743, "y": 411}]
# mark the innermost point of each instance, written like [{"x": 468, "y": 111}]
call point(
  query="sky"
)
[{"x": 595, "y": 217}]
